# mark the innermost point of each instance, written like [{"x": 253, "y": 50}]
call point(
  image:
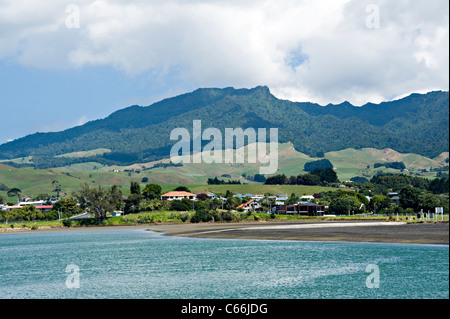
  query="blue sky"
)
[
  {"x": 63, "y": 63},
  {"x": 41, "y": 100}
]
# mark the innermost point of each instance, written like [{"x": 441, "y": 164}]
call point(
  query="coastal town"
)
[{"x": 149, "y": 205}]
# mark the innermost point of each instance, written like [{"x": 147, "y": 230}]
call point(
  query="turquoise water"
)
[{"x": 141, "y": 264}]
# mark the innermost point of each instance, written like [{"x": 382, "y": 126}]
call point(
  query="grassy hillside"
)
[{"x": 348, "y": 163}]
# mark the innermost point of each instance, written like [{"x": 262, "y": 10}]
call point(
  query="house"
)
[
  {"x": 28, "y": 203},
  {"x": 395, "y": 198},
  {"x": 26, "y": 199},
  {"x": 250, "y": 205},
  {"x": 178, "y": 195},
  {"x": 44, "y": 208},
  {"x": 281, "y": 197},
  {"x": 306, "y": 198},
  {"x": 305, "y": 209}
]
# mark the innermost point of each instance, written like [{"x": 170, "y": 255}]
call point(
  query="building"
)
[
  {"x": 306, "y": 209},
  {"x": 395, "y": 198},
  {"x": 250, "y": 205},
  {"x": 306, "y": 198},
  {"x": 179, "y": 195},
  {"x": 42, "y": 208}
]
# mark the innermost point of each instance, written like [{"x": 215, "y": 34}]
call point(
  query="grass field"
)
[{"x": 348, "y": 163}]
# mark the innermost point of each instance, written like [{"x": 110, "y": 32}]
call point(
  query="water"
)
[{"x": 141, "y": 264}]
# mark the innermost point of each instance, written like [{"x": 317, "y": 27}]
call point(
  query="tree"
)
[
  {"x": 320, "y": 164},
  {"x": 293, "y": 199},
  {"x": 182, "y": 189},
  {"x": 152, "y": 191},
  {"x": 409, "y": 198},
  {"x": 67, "y": 205},
  {"x": 15, "y": 192},
  {"x": 57, "y": 188},
  {"x": 439, "y": 186},
  {"x": 428, "y": 201},
  {"x": 96, "y": 200},
  {"x": 326, "y": 175},
  {"x": 116, "y": 197},
  {"x": 378, "y": 202},
  {"x": 359, "y": 179},
  {"x": 132, "y": 203},
  {"x": 135, "y": 188},
  {"x": 344, "y": 205},
  {"x": 259, "y": 178},
  {"x": 276, "y": 180},
  {"x": 308, "y": 179}
]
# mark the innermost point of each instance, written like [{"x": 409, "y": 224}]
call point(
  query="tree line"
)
[{"x": 318, "y": 176}]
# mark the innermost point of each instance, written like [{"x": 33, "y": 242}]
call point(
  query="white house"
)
[{"x": 178, "y": 195}]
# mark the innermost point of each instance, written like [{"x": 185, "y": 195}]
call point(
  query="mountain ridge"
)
[{"x": 417, "y": 123}]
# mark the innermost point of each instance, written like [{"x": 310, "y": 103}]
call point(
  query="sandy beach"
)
[{"x": 345, "y": 231}]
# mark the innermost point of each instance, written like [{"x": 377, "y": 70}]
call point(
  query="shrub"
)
[
  {"x": 179, "y": 205},
  {"x": 226, "y": 216},
  {"x": 67, "y": 222},
  {"x": 201, "y": 216},
  {"x": 184, "y": 216},
  {"x": 145, "y": 219},
  {"x": 116, "y": 220}
]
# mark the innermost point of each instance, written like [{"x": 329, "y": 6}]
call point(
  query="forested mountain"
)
[{"x": 418, "y": 124}]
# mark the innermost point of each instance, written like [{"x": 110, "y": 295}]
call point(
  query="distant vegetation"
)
[
  {"x": 216, "y": 181},
  {"x": 320, "y": 164},
  {"x": 394, "y": 165},
  {"x": 316, "y": 177}
]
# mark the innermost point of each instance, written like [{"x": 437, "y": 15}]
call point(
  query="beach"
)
[
  {"x": 338, "y": 231},
  {"x": 366, "y": 231}
]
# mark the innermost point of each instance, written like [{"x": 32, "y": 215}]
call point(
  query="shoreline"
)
[
  {"x": 334, "y": 231},
  {"x": 375, "y": 232}
]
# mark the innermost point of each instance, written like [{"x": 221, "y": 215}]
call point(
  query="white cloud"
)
[
  {"x": 312, "y": 50},
  {"x": 82, "y": 120}
]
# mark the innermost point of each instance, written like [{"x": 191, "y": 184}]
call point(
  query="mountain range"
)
[{"x": 418, "y": 123}]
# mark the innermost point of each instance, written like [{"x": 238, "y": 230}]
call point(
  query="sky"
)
[{"x": 63, "y": 63}]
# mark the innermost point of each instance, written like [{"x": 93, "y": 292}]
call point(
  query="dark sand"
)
[
  {"x": 431, "y": 233},
  {"x": 347, "y": 231}
]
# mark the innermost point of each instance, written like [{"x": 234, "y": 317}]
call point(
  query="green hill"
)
[
  {"x": 415, "y": 124},
  {"x": 348, "y": 163}
]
